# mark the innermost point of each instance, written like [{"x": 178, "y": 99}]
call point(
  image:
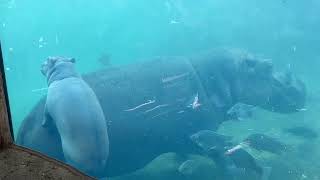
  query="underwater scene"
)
[{"x": 167, "y": 89}]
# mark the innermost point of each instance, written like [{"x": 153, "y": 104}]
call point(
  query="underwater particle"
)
[
  {"x": 157, "y": 107},
  {"x": 141, "y": 105},
  {"x": 195, "y": 102},
  {"x": 10, "y": 49},
  {"x": 294, "y": 48},
  {"x": 234, "y": 149},
  {"x": 174, "y": 22},
  {"x": 57, "y": 39},
  {"x": 174, "y": 78},
  {"x": 40, "y": 89},
  {"x": 4, "y": 25},
  {"x": 303, "y": 176},
  {"x": 187, "y": 167},
  {"x": 40, "y": 39},
  {"x": 42, "y": 43},
  {"x": 288, "y": 68},
  {"x": 302, "y": 109},
  {"x": 8, "y": 69}
]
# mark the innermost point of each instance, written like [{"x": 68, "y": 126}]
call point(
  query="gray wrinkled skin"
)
[
  {"x": 74, "y": 110},
  {"x": 154, "y": 107}
]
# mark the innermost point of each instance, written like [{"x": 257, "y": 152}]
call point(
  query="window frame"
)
[{"x": 6, "y": 128}]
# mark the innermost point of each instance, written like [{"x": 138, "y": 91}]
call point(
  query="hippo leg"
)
[{"x": 44, "y": 139}]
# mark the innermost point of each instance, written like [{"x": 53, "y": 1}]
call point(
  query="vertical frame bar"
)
[{"x": 6, "y": 130}]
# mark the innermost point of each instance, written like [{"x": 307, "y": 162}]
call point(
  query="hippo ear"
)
[
  {"x": 52, "y": 60},
  {"x": 49, "y": 63}
]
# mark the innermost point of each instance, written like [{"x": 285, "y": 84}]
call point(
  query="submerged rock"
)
[
  {"x": 302, "y": 131},
  {"x": 210, "y": 140},
  {"x": 263, "y": 142}
]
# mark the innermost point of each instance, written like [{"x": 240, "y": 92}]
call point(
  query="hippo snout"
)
[{"x": 288, "y": 93}]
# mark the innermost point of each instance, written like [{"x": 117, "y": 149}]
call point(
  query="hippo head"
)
[
  {"x": 258, "y": 84},
  {"x": 57, "y": 68},
  {"x": 232, "y": 76}
]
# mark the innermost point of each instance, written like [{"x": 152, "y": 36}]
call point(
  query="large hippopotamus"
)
[{"x": 155, "y": 107}]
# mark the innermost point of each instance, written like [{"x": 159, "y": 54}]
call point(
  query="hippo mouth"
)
[{"x": 288, "y": 93}]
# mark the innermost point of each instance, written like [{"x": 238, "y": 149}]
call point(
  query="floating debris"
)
[
  {"x": 174, "y": 22},
  {"x": 179, "y": 112},
  {"x": 302, "y": 131},
  {"x": 40, "y": 89},
  {"x": 294, "y": 48},
  {"x": 172, "y": 78},
  {"x": 241, "y": 111},
  {"x": 303, "y": 176},
  {"x": 42, "y": 42},
  {"x": 141, "y": 105},
  {"x": 40, "y": 39},
  {"x": 195, "y": 102},
  {"x": 234, "y": 149},
  {"x": 302, "y": 109}
]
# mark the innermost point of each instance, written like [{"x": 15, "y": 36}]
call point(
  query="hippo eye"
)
[{"x": 73, "y": 60}]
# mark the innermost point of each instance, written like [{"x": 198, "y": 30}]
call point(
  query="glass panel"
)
[{"x": 175, "y": 89}]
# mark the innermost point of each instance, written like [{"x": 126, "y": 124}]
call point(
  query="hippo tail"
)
[{"x": 266, "y": 172}]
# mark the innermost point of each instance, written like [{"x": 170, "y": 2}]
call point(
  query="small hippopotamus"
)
[{"x": 73, "y": 111}]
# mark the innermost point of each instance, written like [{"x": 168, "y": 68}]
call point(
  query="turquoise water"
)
[{"x": 134, "y": 31}]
